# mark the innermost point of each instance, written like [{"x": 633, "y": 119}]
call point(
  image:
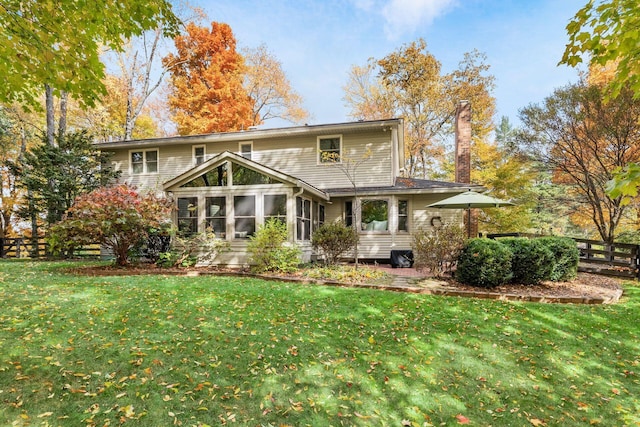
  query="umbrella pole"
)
[{"x": 469, "y": 222}]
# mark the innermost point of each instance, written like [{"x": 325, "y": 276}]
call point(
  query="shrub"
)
[
  {"x": 532, "y": 260},
  {"x": 334, "y": 239},
  {"x": 438, "y": 252},
  {"x": 269, "y": 249},
  {"x": 566, "y": 255},
  {"x": 118, "y": 218},
  {"x": 191, "y": 250},
  {"x": 484, "y": 262}
]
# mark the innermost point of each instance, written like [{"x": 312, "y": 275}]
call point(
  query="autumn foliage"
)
[
  {"x": 119, "y": 218},
  {"x": 207, "y": 75}
]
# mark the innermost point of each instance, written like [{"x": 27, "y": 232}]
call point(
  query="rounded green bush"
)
[
  {"x": 532, "y": 260},
  {"x": 485, "y": 263},
  {"x": 566, "y": 256}
]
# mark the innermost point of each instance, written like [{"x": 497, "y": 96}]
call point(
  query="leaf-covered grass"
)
[{"x": 195, "y": 351}]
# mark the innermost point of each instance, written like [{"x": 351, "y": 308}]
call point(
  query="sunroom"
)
[{"x": 232, "y": 196}]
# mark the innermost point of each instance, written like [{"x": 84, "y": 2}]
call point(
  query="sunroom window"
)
[
  {"x": 275, "y": 206},
  {"x": 303, "y": 219},
  {"x": 187, "y": 215},
  {"x": 216, "y": 215},
  {"x": 245, "y": 216}
]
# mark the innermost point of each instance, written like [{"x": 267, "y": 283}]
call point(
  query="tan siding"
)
[{"x": 295, "y": 156}]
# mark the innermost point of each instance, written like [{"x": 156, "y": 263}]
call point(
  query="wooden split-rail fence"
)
[
  {"x": 598, "y": 257},
  {"x": 24, "y": 247}
]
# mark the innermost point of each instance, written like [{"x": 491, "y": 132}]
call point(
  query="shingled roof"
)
[{"x": 408, "y": 186}]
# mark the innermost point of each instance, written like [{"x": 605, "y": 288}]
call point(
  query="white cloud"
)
[{"x": 405, "y": 16}]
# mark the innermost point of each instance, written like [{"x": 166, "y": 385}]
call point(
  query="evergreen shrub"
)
[
  {"x": 532, "y": 261},
  {"x": 484, "y": 262},
  {"x": 566, "y": 256}
]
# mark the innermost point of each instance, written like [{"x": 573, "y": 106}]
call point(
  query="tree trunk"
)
[
  {"x": 48, "y": 91},
  {"x": 62, "y": 122}
]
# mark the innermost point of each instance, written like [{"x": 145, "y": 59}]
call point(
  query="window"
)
[
  {"x": 216, "y": 177},
  {"x": 303, "y": 219},
  {"x": 144, "y": 161},
  {"x": 329, "y": 149},
  {"x": 348, "y": 213},
  {"x": 403, "y": 215},
  {"x": 245, "y": 216},
  {"x": 275, "y": 206},
  {"x": 246, "y": 176},
  {"x": 187, "y": 215},
  {"x": 216, "y": 215},
  {"x": 375, "y": 215},
  {"x": 198, "y": 154},
  {"x": 318, "y": 215},
  {"x": 245, "y": 149}
]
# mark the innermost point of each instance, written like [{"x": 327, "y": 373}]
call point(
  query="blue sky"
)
[{"x": 319, "y": 41}]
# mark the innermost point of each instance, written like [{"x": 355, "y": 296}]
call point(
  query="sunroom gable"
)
[{"x": 215, "y": 173}]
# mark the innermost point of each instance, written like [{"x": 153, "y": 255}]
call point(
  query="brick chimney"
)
[
  {"x": 463, "y": 142},
  {"x": 463, "y": 155}
]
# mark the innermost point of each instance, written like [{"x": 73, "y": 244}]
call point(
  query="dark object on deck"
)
[{"x": 401, "y": 259}]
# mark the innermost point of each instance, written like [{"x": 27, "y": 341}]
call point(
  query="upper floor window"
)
[
  {"x": 199, "y": 153},
  {"x": 144, "y": 161},
  {"x": 329, "y": 149},
  {"x": 246, "y": 148}
]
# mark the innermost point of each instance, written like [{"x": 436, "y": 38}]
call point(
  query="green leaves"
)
[
  {"x": 58, "y": 43},
  {"x": 607, "y": 32}
]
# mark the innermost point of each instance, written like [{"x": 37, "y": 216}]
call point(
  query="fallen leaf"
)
[{"x": 462, "y": 419}]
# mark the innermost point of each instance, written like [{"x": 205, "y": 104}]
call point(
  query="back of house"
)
[{"x": 305, "y": 175}]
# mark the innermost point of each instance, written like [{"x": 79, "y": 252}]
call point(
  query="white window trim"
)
[
  {"x": 319, "y": 157},
  {"x": 249, "y": 143},
  {"x": 193, "y": 153},
  {"x": 144, "y": 161}
]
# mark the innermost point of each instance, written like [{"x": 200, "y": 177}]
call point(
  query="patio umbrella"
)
[{"x": 468, "y": 200}]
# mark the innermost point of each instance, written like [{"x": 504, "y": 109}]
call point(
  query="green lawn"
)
[{"x": 196, "y": 351}]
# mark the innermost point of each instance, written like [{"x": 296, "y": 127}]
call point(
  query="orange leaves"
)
[{"x": 207, "y": 77}]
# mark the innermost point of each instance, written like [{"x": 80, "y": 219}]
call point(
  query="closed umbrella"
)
[{"x": 468, "y": 200}]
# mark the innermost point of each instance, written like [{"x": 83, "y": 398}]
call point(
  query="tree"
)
[
  {"x": 118, "y": 218},
  {"x": 410, "y": 83},
  {"x": 581, "y": 138},
  {"x": 107, "y": 121},
  {"x": 510, "y": 176},
  {"x": 58, "y": 44},
  {"x": 270, "y": 90},
  {"x": 607, "y": 31},
  {"x": 55, "y": 175},
  {"x": 207, "y": 77}
]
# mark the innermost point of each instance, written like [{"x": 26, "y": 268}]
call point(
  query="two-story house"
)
[{"x": 233, "y": 182}]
